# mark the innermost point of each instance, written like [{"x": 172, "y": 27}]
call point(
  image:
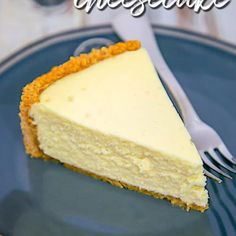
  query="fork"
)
[{"x": 205, "y": 138}]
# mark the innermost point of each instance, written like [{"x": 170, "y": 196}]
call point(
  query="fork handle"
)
[{"x": 142, "y": 30}]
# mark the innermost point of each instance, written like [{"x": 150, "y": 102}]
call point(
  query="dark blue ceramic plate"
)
[{"x": 39, "y": 198}]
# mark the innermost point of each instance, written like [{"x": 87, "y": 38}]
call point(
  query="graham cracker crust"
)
[{"x": 31, "y": 94}]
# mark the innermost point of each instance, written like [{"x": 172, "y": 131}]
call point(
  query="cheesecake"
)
[{"x": 106, "y": 114}]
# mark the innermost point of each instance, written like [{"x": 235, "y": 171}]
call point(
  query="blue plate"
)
[{"x": 39, "y": 198}]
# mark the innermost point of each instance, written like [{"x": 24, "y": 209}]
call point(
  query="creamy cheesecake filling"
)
[
  {"x": 115, "y": 119},
  {"x": 118, "y": 159}
]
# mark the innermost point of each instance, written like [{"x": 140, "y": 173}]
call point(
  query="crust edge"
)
[{"x": 120, "y": 184}]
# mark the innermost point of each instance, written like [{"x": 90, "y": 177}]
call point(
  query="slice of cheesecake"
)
[{"x": 106, "y": 114}]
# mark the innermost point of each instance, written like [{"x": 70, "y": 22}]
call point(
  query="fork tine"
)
[
  {"x": 225, "y": 152},
  {"x": 210, "y": 175},
  {"x": 211, "y": 165},
  {"x": 216, "y": 158}
]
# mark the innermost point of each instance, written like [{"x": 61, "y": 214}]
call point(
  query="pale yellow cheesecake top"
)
[{"x": 123, "y": 97}]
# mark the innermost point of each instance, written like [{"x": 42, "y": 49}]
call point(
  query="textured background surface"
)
[{"x": 23, "y": 21}]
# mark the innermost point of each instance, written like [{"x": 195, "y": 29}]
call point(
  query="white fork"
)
[{"x": 204, "y": 137}]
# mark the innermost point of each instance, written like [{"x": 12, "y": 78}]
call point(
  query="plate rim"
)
[{"x": 39, "y": 44}]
